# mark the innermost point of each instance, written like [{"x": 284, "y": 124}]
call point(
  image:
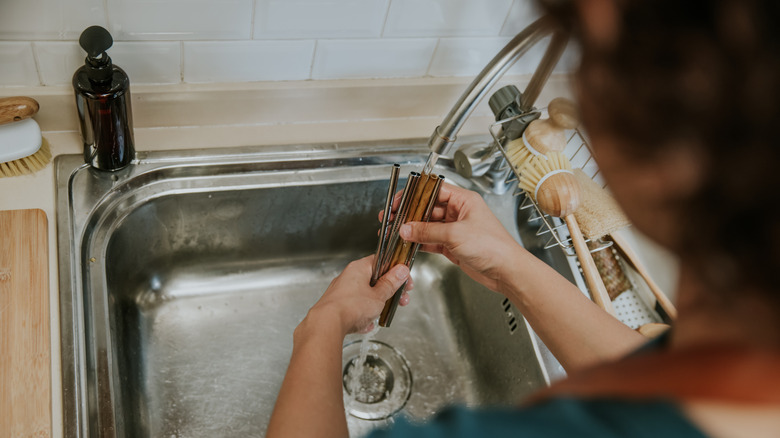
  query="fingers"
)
[
  {"x": 405, "y": 298},
  {"x": 432, "y": 248},
  {"x": 436, "y": 233},
  {"x": 392, "y": 281},
  {"x": 447, "y": 192}
]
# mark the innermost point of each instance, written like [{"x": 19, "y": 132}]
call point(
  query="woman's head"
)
[{"x": 682, "y": 102}]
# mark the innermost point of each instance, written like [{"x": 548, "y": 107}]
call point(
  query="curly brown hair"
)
[{"x": 704, "y": 72}]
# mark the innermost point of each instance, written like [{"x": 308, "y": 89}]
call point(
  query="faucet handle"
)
[
  {"x": 474, "y": 159},
  {"x": 504, "y": 102}
]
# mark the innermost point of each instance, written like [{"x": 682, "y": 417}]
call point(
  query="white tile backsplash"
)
[
  {"x": 464, "y": 56},
  {"x": 180, "y": 19},
  {"x": 247, "y": 61},
  {"x": 17, "y": 64},
  {"x": 170, "y": 41},
  {"x": 522, "y": 13},
  {"x": 58, "y": 60},
  {"x": 319, "y": 18},
  {"x": 156, "y": 62},
  {"x": 144, "y": 63},
  {"x": 468, "y": 56},
  {"x": 48, "y": 19},
  {"x": 417, "y": 18},
  {"x": 378, "y": 58}
]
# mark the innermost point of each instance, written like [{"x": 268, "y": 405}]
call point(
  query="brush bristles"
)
[
  {"x": 30, "y": 164},
  {"x": 517, "y": 153},
  {"x": 532, "y": 172}
]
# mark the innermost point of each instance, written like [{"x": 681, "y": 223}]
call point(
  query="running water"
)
[{"x": 355, "y": 380}]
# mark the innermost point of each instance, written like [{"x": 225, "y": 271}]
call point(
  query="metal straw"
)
[
  {"x": 382, "y": 245},
  {"x": 389, "y": 311},
  {"x": 400, "y": 215}
]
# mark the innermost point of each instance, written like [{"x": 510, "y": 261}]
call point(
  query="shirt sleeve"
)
[{"x": 553, "y": 419}]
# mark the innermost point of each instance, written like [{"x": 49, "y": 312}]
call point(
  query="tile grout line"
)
[
  {"x": 108, "y": 16},
  {"x": 433, "y": 56},
  {"x": 506, "y": 18},
  {"x": 181, "y": 62},
  {"x": 313, "y": 58},
  {"x": 387, "y": 16},
  {"x": 252, "y": 21},
  {"x": 37, "y": 62}
]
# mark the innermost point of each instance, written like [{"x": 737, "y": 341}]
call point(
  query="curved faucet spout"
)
[{"x": 444, "y": 135}]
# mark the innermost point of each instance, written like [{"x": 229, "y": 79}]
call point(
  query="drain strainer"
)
[{"x": 383, "y": 386}]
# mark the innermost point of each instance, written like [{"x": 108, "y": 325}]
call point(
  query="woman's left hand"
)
[
  {"x": 310, "y": 402},
  {"x": 353, "y": 302}
]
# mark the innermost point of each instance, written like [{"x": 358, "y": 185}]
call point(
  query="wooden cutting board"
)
[{"x": 25, "y": 353}]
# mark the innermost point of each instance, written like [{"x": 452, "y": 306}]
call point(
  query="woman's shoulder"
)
[{"x": 559, "y": 417}]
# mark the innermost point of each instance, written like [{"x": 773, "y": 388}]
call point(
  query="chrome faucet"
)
[{"x": 444, "y": 136}]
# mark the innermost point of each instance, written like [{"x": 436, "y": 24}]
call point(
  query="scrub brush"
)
[
  {"x": 544, "y": 135},
  {"x": 550, "y": 181},
  {"x": 600, "y": 216},
  {"x": 22, "y": 149}
]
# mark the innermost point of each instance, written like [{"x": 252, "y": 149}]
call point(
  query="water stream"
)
[{"x": 357, "y": 382}]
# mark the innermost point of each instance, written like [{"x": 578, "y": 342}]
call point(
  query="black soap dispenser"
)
[{"x": 103, "y": 103}]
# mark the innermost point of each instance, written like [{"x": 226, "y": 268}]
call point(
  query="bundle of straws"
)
[{"x": 417, "y": 201}]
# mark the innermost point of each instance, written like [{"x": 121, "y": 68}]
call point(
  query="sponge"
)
[{"x": 598, "y": 214}]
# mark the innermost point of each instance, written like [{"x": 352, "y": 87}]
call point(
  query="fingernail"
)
[
  {"x": 402, "y": 272},
  {"x": 405, "y": 231}
]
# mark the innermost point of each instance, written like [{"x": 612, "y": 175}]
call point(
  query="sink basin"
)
[{"x": 183, "y": 276}]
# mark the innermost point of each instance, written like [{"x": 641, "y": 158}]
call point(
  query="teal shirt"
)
[{"x": 556, "y": 418}]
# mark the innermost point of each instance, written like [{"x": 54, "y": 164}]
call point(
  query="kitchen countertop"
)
[{"x": 227, "y": 115}]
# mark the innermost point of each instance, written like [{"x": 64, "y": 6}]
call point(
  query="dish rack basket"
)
[
  {"x": 579, "y": 154},
  {"x": 634, "y": 307}
]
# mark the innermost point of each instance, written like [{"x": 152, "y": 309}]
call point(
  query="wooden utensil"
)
[
  {"x": 25, "y": 361},
  {"x": 546, "y": 135},
  {"x": 632, "y": 258},
  {"x": 13, "y": 109},
  {"x": 589, "y": 270},
  {"x": 549, "y": 180}
]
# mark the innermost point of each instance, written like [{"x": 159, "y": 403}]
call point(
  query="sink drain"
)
[
  {"x": 383, "y": 386},
  {"x": 374, "y": 382}
]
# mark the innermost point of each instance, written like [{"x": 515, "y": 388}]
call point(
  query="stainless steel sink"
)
[{"x": 183, "y": 276}]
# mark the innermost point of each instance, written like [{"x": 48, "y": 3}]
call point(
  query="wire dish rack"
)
[
  {"x": 634, "y": 307},
  {"x": 579, "y": 154}
]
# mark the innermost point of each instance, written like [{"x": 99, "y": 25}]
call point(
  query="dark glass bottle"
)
[{"x": 103, "y": 103}]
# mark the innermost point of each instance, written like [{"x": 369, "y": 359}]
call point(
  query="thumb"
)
[
  {"x": 436, "y": 233},
  {"x": 392, "y": 281}
]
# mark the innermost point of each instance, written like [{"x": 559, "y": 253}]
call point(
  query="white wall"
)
[{"x": 203, "y": 41}]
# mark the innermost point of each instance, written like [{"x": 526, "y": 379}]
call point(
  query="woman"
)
[{"x": 681, "y": 101}]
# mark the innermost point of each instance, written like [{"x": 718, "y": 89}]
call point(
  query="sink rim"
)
[{"x": 110, "y": 188}]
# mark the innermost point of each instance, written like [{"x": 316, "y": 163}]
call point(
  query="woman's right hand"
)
[{"x": 463, "y": 229}]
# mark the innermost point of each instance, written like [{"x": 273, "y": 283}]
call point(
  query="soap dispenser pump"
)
[{"x": 103, "y": 102}]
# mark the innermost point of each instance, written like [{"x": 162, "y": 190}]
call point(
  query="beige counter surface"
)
[{"x": 187, "y": 116}]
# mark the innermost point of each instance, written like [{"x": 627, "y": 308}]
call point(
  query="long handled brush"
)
[
  {"x": 550, "y": 181},
  {"x": 599, "y": 216}
]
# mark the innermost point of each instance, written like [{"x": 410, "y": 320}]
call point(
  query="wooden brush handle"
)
[
  {"x": 611, "y": 272},
  {"x": 633, "y": 259},
  {"x": 653, "y": 329},
  {"x": 597, "y": 289},
  {"x": 13, "y": 109},
  {"x": 563, "y": 113},
  {"x": 547, "y": 135}
]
